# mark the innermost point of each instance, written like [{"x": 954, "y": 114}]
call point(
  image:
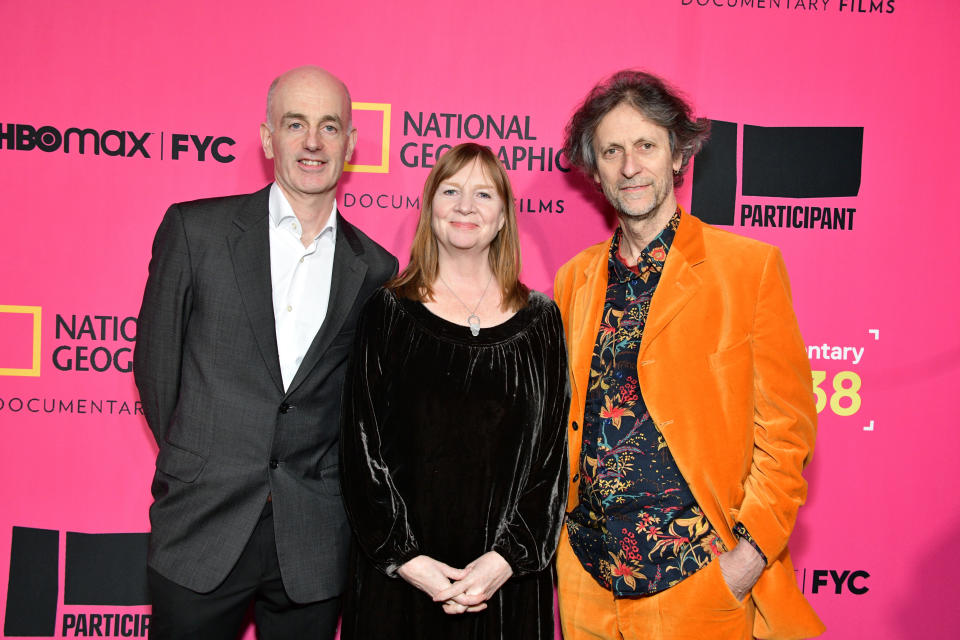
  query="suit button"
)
[
  {"x": 575, "y": 425},
  {"x": 274, "y": 464},
  {"x": 576, "y": 477},
  {"x": 285, "y": 407}
]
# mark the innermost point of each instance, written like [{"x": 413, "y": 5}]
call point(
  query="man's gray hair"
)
[{"x": 652, "y": 97}]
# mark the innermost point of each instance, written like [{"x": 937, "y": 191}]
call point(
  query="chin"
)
[{"x": 636, "y": 215}]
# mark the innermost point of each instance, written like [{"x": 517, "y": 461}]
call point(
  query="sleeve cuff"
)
[
  {"x": 740, "y": 530},
  {"x": 391, "y": 569}
]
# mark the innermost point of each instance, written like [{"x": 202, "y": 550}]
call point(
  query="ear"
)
[
  {"x": 266, "y": 139},
  {"x": 503, "y": 219},
  {"x": 351, "y": 143},
  {"x": 677, "y": 162}
]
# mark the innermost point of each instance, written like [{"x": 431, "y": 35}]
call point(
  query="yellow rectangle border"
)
[
  {"x": 35, "y": 312},
  {"x": 384, "y": 166}
]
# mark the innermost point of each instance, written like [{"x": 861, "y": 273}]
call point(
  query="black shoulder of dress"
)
[{"x": 539, "y": 302}]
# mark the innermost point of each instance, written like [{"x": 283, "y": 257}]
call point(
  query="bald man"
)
[{"x": 247, "y": 320}]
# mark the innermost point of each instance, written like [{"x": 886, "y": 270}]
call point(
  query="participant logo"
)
[
  {"x": 104, "y": 586},
  {"x": 819, "y": 166}
]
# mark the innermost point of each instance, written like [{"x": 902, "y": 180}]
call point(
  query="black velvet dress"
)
[{"x": 451, "y": 446}]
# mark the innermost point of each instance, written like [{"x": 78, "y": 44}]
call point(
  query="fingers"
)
[
  {"x": 454, "y": 591},
  {"x": 451, "y": 573},
  {"x": 466, "y": 592},
  {"x": 472, "y": 599},
  {"x": 455, "y": 608}
]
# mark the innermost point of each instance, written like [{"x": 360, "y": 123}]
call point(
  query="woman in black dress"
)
[{"x": 453, "y": 447}]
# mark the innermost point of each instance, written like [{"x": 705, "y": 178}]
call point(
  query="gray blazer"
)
[{"x": 207, "y": 369}]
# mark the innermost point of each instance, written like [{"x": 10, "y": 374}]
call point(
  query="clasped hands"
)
[{"x": 460, "y": 590}]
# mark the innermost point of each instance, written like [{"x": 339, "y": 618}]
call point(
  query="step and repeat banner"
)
[{"x": 834, "y": 122}]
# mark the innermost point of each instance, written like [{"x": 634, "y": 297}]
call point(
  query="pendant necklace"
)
[{"x": 473, "y": 320}]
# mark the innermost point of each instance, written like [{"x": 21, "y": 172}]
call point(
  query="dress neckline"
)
[{"x": 447, "y": 330}]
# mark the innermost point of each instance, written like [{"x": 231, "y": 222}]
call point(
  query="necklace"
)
[{"x": 473, "y": 320}]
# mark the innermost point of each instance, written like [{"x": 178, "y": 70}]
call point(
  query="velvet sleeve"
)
[
  {"x": 376, "y": 510},
  {"x": 528, "y": 538},
  {"x": 785, "y": 416}
]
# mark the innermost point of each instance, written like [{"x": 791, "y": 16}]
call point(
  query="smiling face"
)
[
  {"x": 468, "y": 210},
  {"x": 308, "y": 135},
  {"x": 635, "y": 165}
]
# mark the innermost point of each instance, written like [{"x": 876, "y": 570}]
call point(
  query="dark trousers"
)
[{"x": 182, "y": 614}]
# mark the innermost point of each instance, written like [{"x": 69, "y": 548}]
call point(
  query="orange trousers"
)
[{"x": 701, "y": 607}]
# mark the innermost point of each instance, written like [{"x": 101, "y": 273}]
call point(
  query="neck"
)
[
  {"x": 313, "y": 212},
  {"x": 464, "y": 268},
  {"x": 639, "y": 232}
]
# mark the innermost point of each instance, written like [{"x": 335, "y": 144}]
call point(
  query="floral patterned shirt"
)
[{"x": 637, "y": 528}]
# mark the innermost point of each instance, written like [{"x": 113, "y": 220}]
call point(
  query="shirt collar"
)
[
  {"x": 281, "y": 211},
  {"x": 652, "y": 257}
]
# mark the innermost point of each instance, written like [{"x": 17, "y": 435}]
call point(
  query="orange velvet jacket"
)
[{"x": 725, "y": 376}]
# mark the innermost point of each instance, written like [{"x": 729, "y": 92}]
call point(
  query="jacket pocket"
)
[
  {"x": 330, "y": 479},
  {"x": 741, "y": 351},
  {"x": 179, "y": 463}
]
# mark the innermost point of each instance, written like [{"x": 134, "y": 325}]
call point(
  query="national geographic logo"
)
[
  {"x": 96, "y": 343},
  {"x": 428, "y": 134},
  {"x": 92, "y": 343},
  {"x": 372, "y": 119},
  {"x": 854, "y": 7},
  {"x": 816, "y": 164},
  {"x": 104, "y": 575},
  {"x": 833, "y": 581},
  {"x": 20, "y": 336},
  {"x": 116, "y": 143},
  {"x": 401, "y": 201}
]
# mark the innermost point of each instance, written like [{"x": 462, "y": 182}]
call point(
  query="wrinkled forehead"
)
[{"x": 628, "y": 122}]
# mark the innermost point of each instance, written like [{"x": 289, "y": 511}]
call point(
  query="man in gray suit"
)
[{"x": 247, "y": 320}]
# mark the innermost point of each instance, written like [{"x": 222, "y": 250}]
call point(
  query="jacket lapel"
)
[
  {"x": 679, "y": 282},
  {"x": 249, "y": 244},
  {"x": 587, "y": 312},
  {"x": 349, "y": 270}
]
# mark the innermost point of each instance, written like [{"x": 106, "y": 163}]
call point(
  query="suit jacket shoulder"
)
[
  {"x": 219, "y": 214},
  {"x": 373, "y": 253},
  {"x": 732, "y": 250},
  {"x": 584, "y": 258}
]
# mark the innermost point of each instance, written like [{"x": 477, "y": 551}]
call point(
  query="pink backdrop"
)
[{"x": 77, "y": 228}]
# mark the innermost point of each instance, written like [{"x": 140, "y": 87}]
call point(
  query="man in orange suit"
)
[{"x": 692, "y": 414}]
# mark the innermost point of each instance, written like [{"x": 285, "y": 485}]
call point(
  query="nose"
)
[
  {"x": 631, "y": 164},
  {"x": 312, "y": 141},
  {"x": 464, "y": 204}
]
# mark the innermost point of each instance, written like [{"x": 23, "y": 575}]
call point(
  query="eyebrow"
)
[
  {"x": 290, "y": 115},
  {"x": 457, "y": 184}
]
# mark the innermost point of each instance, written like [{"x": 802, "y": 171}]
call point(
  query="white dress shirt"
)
[{"x": 301, "y": 281}]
